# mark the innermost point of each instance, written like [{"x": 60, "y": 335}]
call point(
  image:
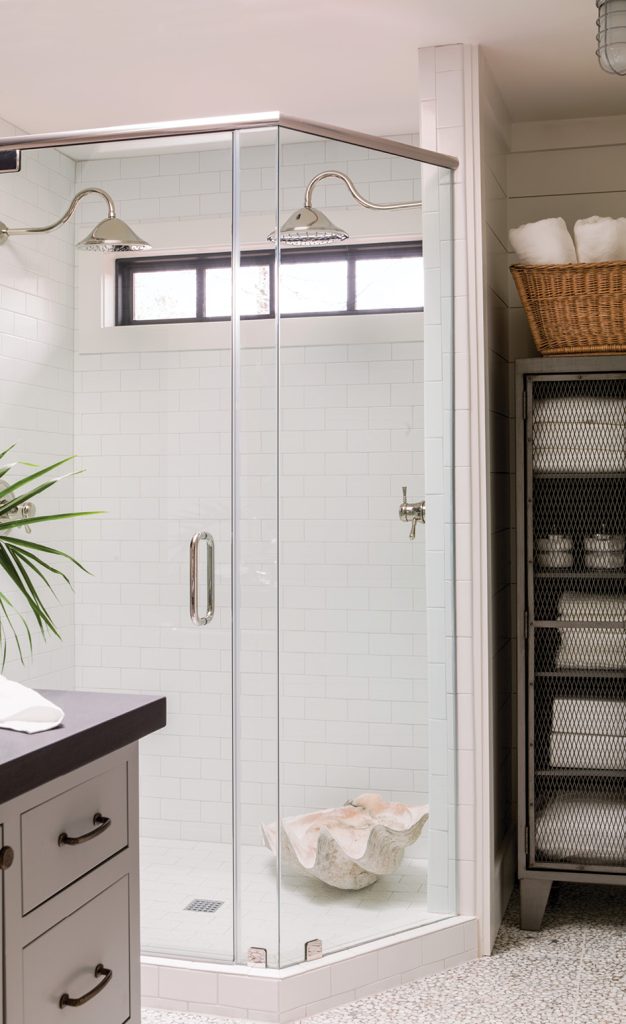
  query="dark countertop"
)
[{"x": 95, "y": 724}]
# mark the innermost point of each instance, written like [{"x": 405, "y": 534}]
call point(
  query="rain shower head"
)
[
  {"x": 308, "y": 226},
  {"x": 110, "y": 235}
]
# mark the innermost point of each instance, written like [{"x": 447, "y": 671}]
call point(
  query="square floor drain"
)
[{"x": 205, "y": 906}]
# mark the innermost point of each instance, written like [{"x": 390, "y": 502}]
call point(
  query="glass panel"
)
[
  {"x": 389, "y": 283},
  {"x": 356, "y": 697},
  {"x": 256, "y": 532},
  {"x": 254, "y": 291},
  {"x": 154, "y": 429},
  {"x": 164, "y": 295},
  {"x": 313, "y": 287},
  {"x": 218, "y": 292}
]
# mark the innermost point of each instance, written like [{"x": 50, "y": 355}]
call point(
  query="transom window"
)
[{"x": 341, "y": 280}]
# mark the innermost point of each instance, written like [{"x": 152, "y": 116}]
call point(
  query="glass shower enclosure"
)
[{"x": 248, "y": 399}]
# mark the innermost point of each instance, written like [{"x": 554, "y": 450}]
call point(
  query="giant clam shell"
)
[{"x": 348, "y": 847}]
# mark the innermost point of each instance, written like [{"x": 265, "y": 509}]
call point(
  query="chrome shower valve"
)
[{"x": 412, "y": 512}]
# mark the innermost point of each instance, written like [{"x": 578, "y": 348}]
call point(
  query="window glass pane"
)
[
  {"x": 313, "y": 287},
  {"x": 217, "y": 299},
  {"x": 254, "y": 291},
  {"x": 164, "y": 294},
  {"x": 389, "y": 283}
]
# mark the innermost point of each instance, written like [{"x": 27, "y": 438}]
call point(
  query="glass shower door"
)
[
  {"x": 153, "y": 433},
  {"x": 356, "y": 694}
]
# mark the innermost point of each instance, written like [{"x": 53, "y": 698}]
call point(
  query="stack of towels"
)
[
  {"x": 596, "y": 240},
  {"x": 588, "y": 733},
  {"x": 582, "y": 828},
  {"x": 579, "y": 434},
  {"x": 600, "y": 647}
]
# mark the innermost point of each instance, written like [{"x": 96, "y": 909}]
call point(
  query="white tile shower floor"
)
[{"x": 174, "y": 872}]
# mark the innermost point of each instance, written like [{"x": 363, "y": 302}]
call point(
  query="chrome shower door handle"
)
[{"x": 195, "y": 616}]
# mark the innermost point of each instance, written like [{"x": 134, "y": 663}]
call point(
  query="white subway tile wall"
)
[{"x": 36, "y": 378}]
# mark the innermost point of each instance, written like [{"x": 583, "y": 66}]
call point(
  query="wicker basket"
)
[{"x": 575, "y": 307}]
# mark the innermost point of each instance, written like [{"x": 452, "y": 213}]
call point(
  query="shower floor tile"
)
[{"x": 175, "y": 872}]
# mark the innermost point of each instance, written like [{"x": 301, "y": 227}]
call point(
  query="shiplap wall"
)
[{"x": 495, "y": 131}]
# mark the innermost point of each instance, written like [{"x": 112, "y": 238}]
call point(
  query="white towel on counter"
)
[
  {"x": 579, "y": 409},
  {"x": 592, "y": 717},
  {"x": 543, "y": 241},
  {"x": 600, "y": 239},
  {"x": 25, "y": 710}
]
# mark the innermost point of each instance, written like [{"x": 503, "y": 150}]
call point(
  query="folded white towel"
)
[
  {"x": 576, "y": 750},
  {"x": 593, "y": 717},
  {"x": 577, "y": 826},
  {"x": 579, "y": 460},
  {"x": 25, "y": 710},
  {"x": 579, "y": 410},
  {"x": 577, "y": 607},
  {"x": 599, "y": 239},
  {"x": 544, "y": 241}
]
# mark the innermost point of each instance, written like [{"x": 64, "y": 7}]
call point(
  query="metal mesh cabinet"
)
[{"x": 571, "y": 530}]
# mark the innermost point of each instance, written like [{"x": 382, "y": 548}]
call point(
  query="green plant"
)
[{"x": 25, "y": 563}]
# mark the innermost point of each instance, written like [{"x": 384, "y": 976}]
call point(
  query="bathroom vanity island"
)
[{"x": 69, "y": 863}]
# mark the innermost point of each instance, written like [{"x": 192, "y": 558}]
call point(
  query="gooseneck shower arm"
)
[
  {"x": 5, "y": 232},
  {"x": 308, "y": 195}
]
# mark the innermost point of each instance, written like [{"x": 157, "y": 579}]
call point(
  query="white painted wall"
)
[{"x": 36, "y": 375}]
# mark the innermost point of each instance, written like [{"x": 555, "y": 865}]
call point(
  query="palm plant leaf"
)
[{"x": 21, "y": 560}]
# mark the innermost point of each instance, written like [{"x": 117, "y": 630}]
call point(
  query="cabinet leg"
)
[{"x": 534, "y": 893}]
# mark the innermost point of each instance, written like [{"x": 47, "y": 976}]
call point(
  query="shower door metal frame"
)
[{"x": 210, "y": 125}]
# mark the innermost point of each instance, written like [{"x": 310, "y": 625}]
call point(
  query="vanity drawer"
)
[
  {"x": 63, "y": 962},
  {"x": 67, "y": 836}
]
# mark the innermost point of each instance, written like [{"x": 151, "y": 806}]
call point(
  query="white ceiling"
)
[{"x": 93, "y": 63}]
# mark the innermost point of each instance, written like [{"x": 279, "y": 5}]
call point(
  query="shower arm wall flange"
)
[
  {"x": 6, "y": 232},
  {"x": 308, "y": 195}
]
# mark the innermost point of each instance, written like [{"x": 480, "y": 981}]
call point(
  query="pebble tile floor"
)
[{"x": 572, "y": 972}]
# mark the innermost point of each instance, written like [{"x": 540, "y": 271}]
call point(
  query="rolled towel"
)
[
  {"x": 544, "y": 241},
  {"x": 600, "y": 239},
  {"x": 25, "y": 710}
]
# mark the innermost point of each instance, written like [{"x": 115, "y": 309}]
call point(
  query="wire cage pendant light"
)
[{"x": 611, "y": 36}]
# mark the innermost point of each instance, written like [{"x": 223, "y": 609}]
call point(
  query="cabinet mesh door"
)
[{"x": 576, "y": 529}]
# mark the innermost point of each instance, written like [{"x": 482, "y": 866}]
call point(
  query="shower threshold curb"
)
[{"x": 280, "y": 996}]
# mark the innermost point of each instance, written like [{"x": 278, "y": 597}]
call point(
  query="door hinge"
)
[
  {"x": 527, "y": 841},
  {"x": 526, "y": 625},
  {"x": 525, "y": 404}
]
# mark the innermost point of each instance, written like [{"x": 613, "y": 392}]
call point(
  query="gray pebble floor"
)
[{"x": 571, "y": 972}]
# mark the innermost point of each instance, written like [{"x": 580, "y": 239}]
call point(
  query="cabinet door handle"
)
[
  {"x": 100, "y": 972},
  {"x": 101, "y": 823}
]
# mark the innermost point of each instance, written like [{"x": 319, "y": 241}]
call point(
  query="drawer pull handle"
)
[
  {"x": 100, "y": 972},
  {"x": 101, "y": 824}
]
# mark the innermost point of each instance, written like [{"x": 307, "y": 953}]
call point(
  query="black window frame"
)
[{"x": 126, "y": 268}]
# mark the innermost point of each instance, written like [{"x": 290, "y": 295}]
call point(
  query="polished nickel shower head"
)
[
  {"x": 110, "y": 235},
  {"x": 308, "y": 226}
]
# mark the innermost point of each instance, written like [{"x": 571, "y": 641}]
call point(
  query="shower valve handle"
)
[{"x": 412, "y": 512}]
